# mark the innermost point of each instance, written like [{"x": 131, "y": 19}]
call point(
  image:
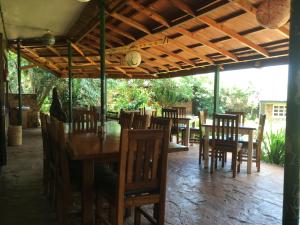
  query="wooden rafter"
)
[
  {"x": 131, "y": 22},
  {"x": 121, "y": 32},
  {"x": 248, "y": 7},
  {"x": 28, "y": 67},
  {"x": 148, "y": 12}
]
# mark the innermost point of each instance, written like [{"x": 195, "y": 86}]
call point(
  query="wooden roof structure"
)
[{"x": 174, "y": 38}]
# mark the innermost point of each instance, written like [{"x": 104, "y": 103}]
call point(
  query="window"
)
[{"x": 279, "y": 110}]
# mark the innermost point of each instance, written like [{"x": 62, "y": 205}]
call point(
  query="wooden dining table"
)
[
  {"x": 243, "y": 130},
  {"x": 91, "y": 147}
]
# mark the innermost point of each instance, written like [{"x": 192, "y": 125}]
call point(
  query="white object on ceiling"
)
[{"x": 33, "y": 18}]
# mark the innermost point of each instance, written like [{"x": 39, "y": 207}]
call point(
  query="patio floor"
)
[{"x": 194, "y": 196}]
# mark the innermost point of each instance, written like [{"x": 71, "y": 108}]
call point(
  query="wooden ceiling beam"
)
[
  {"x": 182, "y": 6},
  {"x": 148, "y": 12},
  {"x": 28, "y": 67},
  {"x": 209, "y": 44},
  {"x": 248, "y": 7},
  {"x": 130, "y": 22}
]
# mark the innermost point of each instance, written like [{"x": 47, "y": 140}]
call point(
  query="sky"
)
[{"x": 269, "y": 82}]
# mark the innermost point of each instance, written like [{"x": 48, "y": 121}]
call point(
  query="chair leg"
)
[
  {"x": 258, "y": 155},
  {"x": 234, "y": 156},
  {"x": 239, "y": 161},
  {"x": 200, "y": 151},
  {"x": 137, "y": 216}
]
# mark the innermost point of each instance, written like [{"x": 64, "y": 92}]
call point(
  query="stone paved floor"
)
[{"x": 194, "y": 196}]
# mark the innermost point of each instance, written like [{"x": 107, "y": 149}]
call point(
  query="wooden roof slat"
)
[
  {"x": 182, "y": 6},
  {"x": 198, "y": 38},
  {"x": 131, "y": 22},
  {"x": 148, "y": 12},
  {"x": 221, "y": 27},
  {"x": 191, "y": 51},
  {"x": 230, "y": 32},
  {"x": 248, "y": 7},
  {"x": 121, "y": 32}
]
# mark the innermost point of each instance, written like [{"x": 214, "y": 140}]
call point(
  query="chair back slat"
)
[
  {"x": 172, "y": 114},
  {"x": 140, "y": 121},
  {"x": 181, "y": 111},
  {"x": 84, "y": 120},
  {"x": 242, "y": 116},
  {"x": 143, "y": 158},
  {"x": 126, "y": 120},
  {"x": 160, "y": 123}
]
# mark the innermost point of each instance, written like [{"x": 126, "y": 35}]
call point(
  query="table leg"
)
[
  {"x": 250, "y": 151},
  {"x": 87, "y": 192},
  {"x": 206, "y": 147}
]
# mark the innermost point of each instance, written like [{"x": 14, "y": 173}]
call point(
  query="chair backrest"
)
[
  {"x": 181, "y": 111},
  {"x": 126, "y": 120},
  {"x": 140, "y": 121},
  {"x": 172, "y": 114},
  {"x": 143, "y": 161},
  {"x": 142, "y": 111},
  {"x": 160, "y": 123},
  {"x": 242, "y": 116},
  {"x": 260, "y": 130},
  {"x": 225, "y": 129},
  {"x": 85, "y": 120}
]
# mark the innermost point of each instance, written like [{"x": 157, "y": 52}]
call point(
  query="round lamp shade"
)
[
  {"x": 273, "y": 13},
  {"x": 48, "y": 39},
  {"x": 133, "y": 59}
]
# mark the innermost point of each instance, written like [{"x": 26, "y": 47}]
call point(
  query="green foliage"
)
[
  {"x": 168, "y": 92},
  {"x": 273, "y": 150}
]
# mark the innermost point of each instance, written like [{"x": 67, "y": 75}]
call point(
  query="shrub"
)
[{"x": 274, "y": 147}]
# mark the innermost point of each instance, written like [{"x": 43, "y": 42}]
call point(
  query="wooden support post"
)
[
  {"x": 2, "y": 109},
  {"x": 216, "y": 89},
  {"x": 20, "y": 119},
  {"x": 70, "y": 85},
  {"x": 102, "y": 61},
  {"x": 292, "y": 146}
]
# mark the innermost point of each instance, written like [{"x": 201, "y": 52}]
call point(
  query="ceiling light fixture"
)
[{"x": 83, "y": 0}]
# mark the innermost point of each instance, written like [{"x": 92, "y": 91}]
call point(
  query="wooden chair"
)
[
  {"x": 256, "y": 144},
  {"x": 181, "y": 111},
  {"x": 141, "y": 178},
  {"x": 140, "y": 121},
  {"x": 225, "y": 139},
  {"x": 126, "y": 120},
  {"x": 46, "y": 156},
  {"x": 66, "y": 183},
  {"x": 84, "y": 120},
  {"x": 242, "y": 116},
  {"x": 172, "y": 114}
]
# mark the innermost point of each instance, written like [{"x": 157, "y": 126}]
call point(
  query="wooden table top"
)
[{"x": 81, "y": 146}]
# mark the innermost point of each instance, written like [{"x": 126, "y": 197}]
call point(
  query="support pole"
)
[
  {"x": 102, "y": 61},
  {"x": 216, "y": 90},
  {"x": 20, "y": 119},
  {"x": 292, "y": 146},
  {"x": 70, "y": 85},
  {"x": 2, "y": 110}
]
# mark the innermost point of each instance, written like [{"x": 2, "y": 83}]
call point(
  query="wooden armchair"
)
[
  {"x": 256, "y": 144},
  {"x": 225, "y": 139},
  {"x": 160, "y": 123},
  {"x": 141, "y": 177},
  {"x": 172, "y": 114},
  {"x": 85, "y": 120}
]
